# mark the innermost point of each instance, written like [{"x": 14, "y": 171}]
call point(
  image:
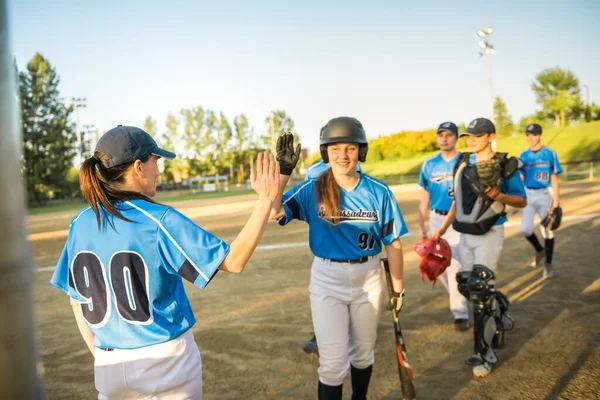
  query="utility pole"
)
[
  {"x": 76, "y": 103},
  {"x": 18, "y": 350},
  {"x": 272, "y": 133}
]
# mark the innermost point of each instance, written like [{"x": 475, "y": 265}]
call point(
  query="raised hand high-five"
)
[
  {"x": 265, "y": 180},
  {"x": 286, "y": 155}
]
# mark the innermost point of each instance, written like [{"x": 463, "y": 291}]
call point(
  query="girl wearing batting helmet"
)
[
  {"x": 350, "y": 214},
  {"x": 123, "y": 265}
]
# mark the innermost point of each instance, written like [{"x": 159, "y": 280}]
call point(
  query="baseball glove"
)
[
  {"x": 485, "y": 177},
  {"x": 553, "y": 219},
  {"x": 286, "y": 156}
]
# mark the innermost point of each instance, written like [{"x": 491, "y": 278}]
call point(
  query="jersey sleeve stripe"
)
[
  {"x": 188, "y": 272},
  {"x": 392, "y": 202},
  {"x": 294, "y": 207},
  {"x": 171, "y": 239},
  {"x": 79, "y": 215},
  {"x": 555, "y": 161},
  {"x": 298, "y": 191},
  {"x": 387, "y": 228}
]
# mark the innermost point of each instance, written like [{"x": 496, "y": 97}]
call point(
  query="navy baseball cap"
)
[
  {"x": 125, "y": 144},
  {"x": 448, "y": 126},
  {"x": 533, "y": 129},
  {"x": 479, "y": 127}
]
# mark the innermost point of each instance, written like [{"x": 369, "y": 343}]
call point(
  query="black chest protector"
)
[{"x": 476, "y": 214}]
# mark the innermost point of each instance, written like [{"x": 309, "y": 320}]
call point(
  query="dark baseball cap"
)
[
  {"x": 125, "y": 144},
  {"x": 448, "y": 126},
  {"x": 479, "y": 127},
  {"x": 533, "y": 129}
]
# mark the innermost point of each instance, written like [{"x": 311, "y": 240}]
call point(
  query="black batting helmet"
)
[{"x": 344, "y": 129}]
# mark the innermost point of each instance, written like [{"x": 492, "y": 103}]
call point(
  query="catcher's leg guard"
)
[{"x": 486, "y": 311}]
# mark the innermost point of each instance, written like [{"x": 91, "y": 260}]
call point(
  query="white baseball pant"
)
[
  {"x": 481, "y": 249},
  {"x": 539, "y": 201},
  {"x": 346, "y": 301},
  {"x": 165, "y": 371}
]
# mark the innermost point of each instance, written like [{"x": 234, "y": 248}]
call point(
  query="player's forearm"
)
[
  {"x": 87, "y": 335},
  {"x": 450, "y": 217},
  {"x": 512, "y": 200},
  {"x": 396, "y": 260},
  {"x": 423, "y": 208},
  {"x": 277, "y": 210},
  {"x": 246, "y": 241},
  {"x": 555, "y": 194}
]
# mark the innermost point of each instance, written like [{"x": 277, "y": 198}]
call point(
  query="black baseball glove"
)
[
  {"x": 553, "y": 219},
  {"x": 485, "y": 177},
  {"x": 286, "y": 156}
]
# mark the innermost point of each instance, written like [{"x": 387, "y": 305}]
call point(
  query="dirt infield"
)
[{"x": 251, "y": 326}]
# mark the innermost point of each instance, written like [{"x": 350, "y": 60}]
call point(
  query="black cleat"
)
[
  {"x": 461, "y": 324},
  {"x": 311, "y": 346}
]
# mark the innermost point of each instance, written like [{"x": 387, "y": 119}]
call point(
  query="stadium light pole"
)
[
  {"x": 76, "y": 103},
  {"x": 18, "y": 350},
  {"x": 487, "y": 49}
]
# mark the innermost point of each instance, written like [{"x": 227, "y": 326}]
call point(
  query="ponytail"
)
[
  {"x": 99, "y": 187},
  {"x": 328, "y": 192}
]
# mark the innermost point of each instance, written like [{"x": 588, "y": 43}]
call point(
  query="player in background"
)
[
  {"x": 313, "y": 172},
  {"x": 124, "y": 261},
  {"x": 540, "y": 175},
  {"x": 480, "y": 218},
  {"x": 437, "y": 194},
  {"x": 350, "y": 216}
]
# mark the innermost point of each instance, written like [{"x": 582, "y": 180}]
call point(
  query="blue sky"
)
[{"x": 394, "y": 65}]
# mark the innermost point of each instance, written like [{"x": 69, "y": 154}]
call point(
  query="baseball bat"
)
[{"x": 407, "y": 380}]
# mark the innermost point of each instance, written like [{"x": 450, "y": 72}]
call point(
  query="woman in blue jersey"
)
[
  {"x": 123, "y": 265},
  {"x": 350, "y": 214}
]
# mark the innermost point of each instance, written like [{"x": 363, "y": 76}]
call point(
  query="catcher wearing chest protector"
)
[{"x": 484, "y": 183}]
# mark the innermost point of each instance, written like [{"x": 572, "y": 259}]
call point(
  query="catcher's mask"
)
[
  {"x": 436, "y": 256},
  {"x": 434, "y": 247},
  {"x": 344, "y": 129}
]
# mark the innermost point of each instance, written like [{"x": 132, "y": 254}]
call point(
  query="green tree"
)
[
  {"x": 242, "y": 150},
  {"x": 224, "y": 155},
  {"x": 557, "y": 91},
  {"x": 49, "y": 142},
  {"x": 174, "y": 169},
  {"x": 195, "y": 139},
  {"x": 150, "y": 126},
  {"x": 502, "y": 119}
]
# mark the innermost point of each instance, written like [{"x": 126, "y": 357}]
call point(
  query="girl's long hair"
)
[
  {"x": 328, "y": 192},
  {"x": 100, "y": 187}
]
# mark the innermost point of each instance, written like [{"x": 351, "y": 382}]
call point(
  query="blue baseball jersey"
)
[
  {"x": 129, "y": 279},
  {"x": 369, "y": 216},
  {"x": 319, "y": 167},
  {"x": 539, "y": 166},
  {"x": 510, "y": 186},
  {"x": 437, "y": 177}
]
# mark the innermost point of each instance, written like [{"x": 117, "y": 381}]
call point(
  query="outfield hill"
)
[{"x": 573, "y": 143}]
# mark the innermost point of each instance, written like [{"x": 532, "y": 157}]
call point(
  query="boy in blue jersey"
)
[
  {"x": 480, "y": 218},
  {"x": 437, "y": 194},
  {"x": 123, "y": 265},
  {"x": 350, "y": 216},
  {"x": 540, "y": 175}
]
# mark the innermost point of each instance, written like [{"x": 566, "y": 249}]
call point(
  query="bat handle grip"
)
[{"x": 390, "y": 286}]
